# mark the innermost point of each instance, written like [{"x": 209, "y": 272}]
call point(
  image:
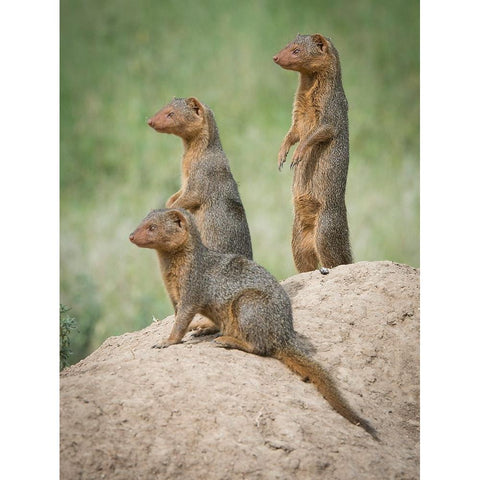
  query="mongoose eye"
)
[
  {"x": 152, "y": 227},
  {"x": 170, "y": 115},
  {"x": 295, "y": 51}
]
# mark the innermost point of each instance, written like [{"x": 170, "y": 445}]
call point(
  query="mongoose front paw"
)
[
  {"x": 282, "y": 157},
  {"x": 163, "y": 344},
  {"x": 202, "y": 332},
  {"x": 300, "y": 153},
  {"x": 295, "y": 160}
]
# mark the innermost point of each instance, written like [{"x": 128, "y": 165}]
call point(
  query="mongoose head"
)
[
  {"x": 308, "y": 54},
  {"x": 164, "y": 230},
  {"x": 185, "y": 117}
]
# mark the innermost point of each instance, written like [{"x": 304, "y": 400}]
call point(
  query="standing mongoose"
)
[
  {"x": 320, "y": 162},
  {"x": 246, "y": 303},
  {"x": 208, "y": 189}
]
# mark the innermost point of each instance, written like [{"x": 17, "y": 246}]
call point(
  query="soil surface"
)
[{"x": 196, "y": 411}]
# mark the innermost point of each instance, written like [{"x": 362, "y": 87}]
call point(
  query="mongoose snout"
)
[{"x": 155, "y": 123}]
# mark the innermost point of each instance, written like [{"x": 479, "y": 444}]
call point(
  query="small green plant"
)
[{"x": 67, "y": 324}]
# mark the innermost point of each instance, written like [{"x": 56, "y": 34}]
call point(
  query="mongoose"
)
[
  {"x": 246, "y": 303},
  {"x": 320, "y": 162},
  {"x": 208, "y": 188}
]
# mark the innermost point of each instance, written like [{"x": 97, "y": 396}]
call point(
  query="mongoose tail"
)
[{"x": 311, "y": 371}]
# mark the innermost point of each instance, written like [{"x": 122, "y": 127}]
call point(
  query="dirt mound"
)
[{"x": 196, "y": 411}]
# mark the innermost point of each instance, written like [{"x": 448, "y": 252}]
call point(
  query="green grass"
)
[{"x": 122, "y": 60}]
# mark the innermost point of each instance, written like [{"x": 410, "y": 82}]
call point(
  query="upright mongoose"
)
[
  {"x": 208, "y": 189},
  {"x": 320, "y": 162},
  {"x": 246, "y": 303}
]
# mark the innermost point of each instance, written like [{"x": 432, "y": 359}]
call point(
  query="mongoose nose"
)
[
  {"x": 150, "y": 122},
  {"x": 275, "y": 59},
  {"x": 131, "y": 237}
]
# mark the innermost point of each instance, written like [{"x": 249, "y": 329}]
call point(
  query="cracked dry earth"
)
[{"x": 196, "y": 411}]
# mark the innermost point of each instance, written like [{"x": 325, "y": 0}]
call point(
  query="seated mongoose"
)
[
  {"x": 245, "y": 302},
  {"x": 320, "y": 125},
  {"x": 208, "y": 189}
]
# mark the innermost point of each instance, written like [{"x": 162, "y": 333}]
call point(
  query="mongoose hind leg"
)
[
  {"x": 305, "y": 255},
  {"x": 332, "y": 240},
  {"x": 304, "y": 252},
  {"x": 226, "y": 341},
  {"x": 247, "y": 325}
]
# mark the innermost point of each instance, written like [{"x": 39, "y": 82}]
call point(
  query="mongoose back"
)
[
  {"x": 246, "y": 303},
  {"x": 208, "y": 188},
  {"x": 320, "y": 125}
]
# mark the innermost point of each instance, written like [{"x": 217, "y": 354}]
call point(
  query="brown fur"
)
[
  {"x": 208, "y": 189},
  {"x": 245, "y": 302},
  {"x": 320, "y": 126}
]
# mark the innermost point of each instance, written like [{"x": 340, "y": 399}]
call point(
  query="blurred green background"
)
[{"x": 122, "y": 60}]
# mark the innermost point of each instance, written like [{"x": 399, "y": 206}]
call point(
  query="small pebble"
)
[{"x": 324, "y": 271}]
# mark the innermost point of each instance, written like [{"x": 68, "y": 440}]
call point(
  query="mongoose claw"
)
[
  {"x": 301, "y": 152},
  {"x": 282, "y": 157},
  {"x": 296, "y": 159},
  {"x": 294, "y": 163}
]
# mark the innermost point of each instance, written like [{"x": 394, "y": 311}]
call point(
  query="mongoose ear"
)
[
  {"x": 320, "y": 41},
  {"x": 195, "y": 104},
  {"x": 178, "y": 218}
]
